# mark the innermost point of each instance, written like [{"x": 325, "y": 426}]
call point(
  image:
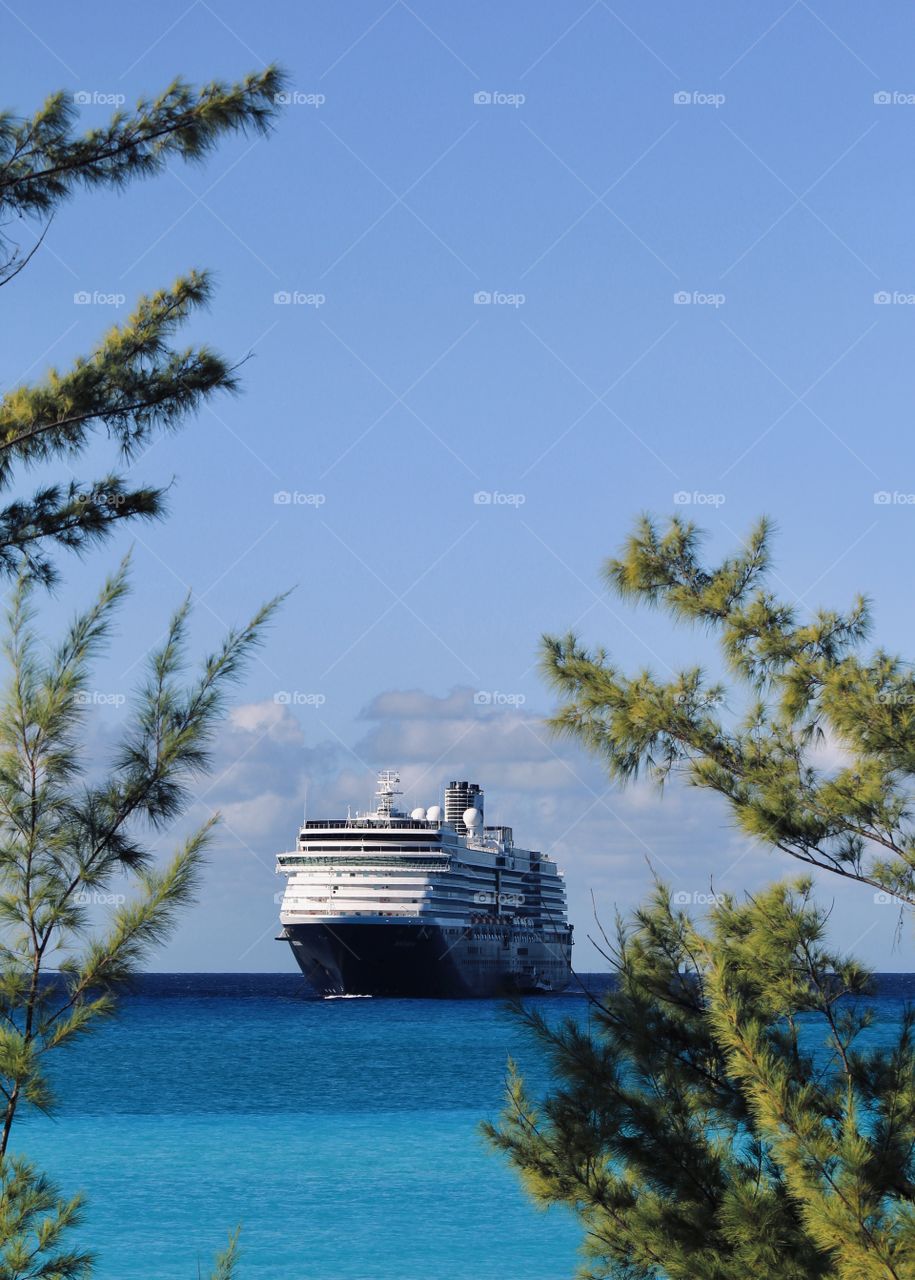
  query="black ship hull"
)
[{"x": 431, "y": 961}]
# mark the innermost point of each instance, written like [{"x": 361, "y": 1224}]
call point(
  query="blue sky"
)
[{"x": 583, "y": 165}]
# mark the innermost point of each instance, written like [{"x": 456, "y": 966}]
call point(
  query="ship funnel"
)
[{"x": 459, "y": 797}]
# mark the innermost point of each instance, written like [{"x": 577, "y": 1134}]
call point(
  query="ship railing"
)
[
  {"x": 368, "y": 863},
  {"x": 359, "y": 911},
  {"x": 383, "y": 822}
]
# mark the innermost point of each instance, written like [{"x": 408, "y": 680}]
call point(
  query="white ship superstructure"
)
[{"x": 431, "y": 902}]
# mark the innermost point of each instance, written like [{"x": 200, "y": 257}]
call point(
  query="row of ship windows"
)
[
  {"x": 375, "y": 876},
  {"x": 475, "y": 951},
  {"x": 428, "y": 906},
  {"x": 436, "y": 859},
  {"x": 410, "y": 893},
  {"x": 415, "y": 907},
  {"x": 391, "y": 866},
  {"x": 542, "y": 927},
  {"x": 530, "y": 920},
  {"x": 463, "y": 893},
  {"x": 467, "y": 893},
  {"x": 415, "y": 882},
  {"x": 382, "y": 905}
]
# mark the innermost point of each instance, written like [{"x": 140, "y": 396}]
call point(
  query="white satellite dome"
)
[
  {"x": 472, "y": 818},
  {"x": 435, "y": 813},
  {"x": 418, "y": 814}
]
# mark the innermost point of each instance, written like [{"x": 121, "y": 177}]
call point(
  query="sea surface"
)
[{"x": 342, "y": 1135}]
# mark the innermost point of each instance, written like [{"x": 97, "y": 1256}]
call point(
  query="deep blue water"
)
[{"x": 341, "y": 1134}]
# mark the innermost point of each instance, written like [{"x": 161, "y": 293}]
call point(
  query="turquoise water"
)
[{"x": 341, "y": 1134}]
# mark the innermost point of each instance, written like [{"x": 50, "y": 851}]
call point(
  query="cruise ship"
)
[{"x": 427, "y": 903}]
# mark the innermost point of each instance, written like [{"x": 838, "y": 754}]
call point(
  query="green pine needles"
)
[
  {"x": 64, "y": 838},
  {"x": 135, "y": 383},
  {"x": 723, "y": 1115},
  {"x": 726, "y": 1111},
  {"x": 43, "y": 159},
  {"x": 33, "y": 1221},
  {"x": 796, "y": 685},
  {"x": 67, "y": 841}
]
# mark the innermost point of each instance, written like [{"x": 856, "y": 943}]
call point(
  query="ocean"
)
[{"x": 341, "y": 1135}]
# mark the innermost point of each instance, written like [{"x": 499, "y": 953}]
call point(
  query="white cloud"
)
[
  {"x": 270, "y": 718},
  {"x": 403, "y": 704}
]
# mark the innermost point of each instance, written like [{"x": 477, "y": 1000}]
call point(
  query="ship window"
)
[{"x": 522, "y": 951}]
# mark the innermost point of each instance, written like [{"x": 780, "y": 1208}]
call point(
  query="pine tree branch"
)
[{"x": 42, "y": 160}]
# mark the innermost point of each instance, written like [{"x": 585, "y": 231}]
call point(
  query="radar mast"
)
[{"x": 387, "y": 789}]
